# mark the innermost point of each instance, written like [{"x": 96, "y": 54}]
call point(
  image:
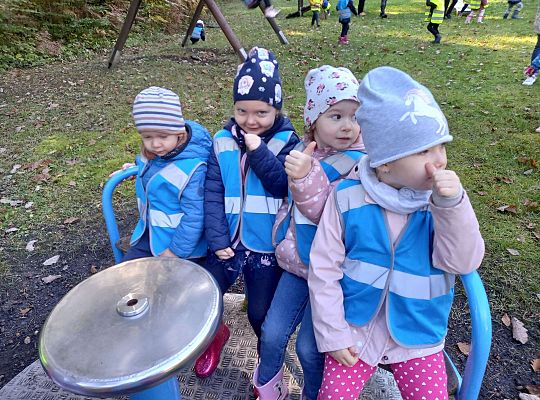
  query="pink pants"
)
[{"x": 421, "y": 378}]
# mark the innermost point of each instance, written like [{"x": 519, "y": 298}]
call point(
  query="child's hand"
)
[
  {"x": 168, "y": 253},
  {"x": 298, "y": 163},
  {"x": 445, "y": 182},
  {"x": 347, "y": 357},
  {"x": 252, "y": 141},
  {"x": 124, "y": 167},
  {"x": 225, "y": 254}
]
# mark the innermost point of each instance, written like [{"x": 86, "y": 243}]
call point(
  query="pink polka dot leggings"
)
[{"x": 421, "y": 378}]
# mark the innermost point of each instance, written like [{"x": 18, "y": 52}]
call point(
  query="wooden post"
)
[
  {"x": 122, "y": 37},
  {"x": 227, "y": 31},
  {"x": 275, "y": 27}
]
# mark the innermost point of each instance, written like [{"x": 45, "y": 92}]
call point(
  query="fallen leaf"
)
[
  {"x": 11, "y": 230},
  {"x": 519, "y": 332},
  {"x": 506, "y": 320},
  {"x": 93, "y": 269},
  {"x": 70, "y": 220},
  {"x": 535, "y": 364},
  {"x": 72, "y": 183},
  {"x": 25, "y": 311},
  {"x": 27, "y": 340},
  {"x": 52, "y": 260},
  {"x": 37, "y": 164},
  {"x": 12, "y": 203},
  {"x": 51, "y": 278},
  {"x": 530, "y": 204},
  {"x": 15, "y": 168},
  {"x": 504, "y": 179},
  {"x": 30, "y": 245},
  {"x": 537, "y": 235},
  {"x": 514, "y": 252},
  {"x": 481, "y": 193},
  {"x": 28, "y": 205},
  {"x": 528, "y": 172},
  {"x": 510, "y": 208},
  {"x": 530, "y": 225},
  {"x": 465, "y": 348}
]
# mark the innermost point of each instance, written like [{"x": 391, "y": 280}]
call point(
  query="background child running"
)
[
  {"x": 345, "y": 8},
  {"x": 198, "y": 33},
  {"x": 245, "y": 186},
  {"x": 172, "y": 169},
  {"x": 332, "y": 146},
  {"x": 511, "y": 4},
  {"x": 390, "y": 241},
  {"x": 531, "y": 72}
]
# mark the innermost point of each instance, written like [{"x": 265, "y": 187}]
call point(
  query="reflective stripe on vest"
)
[
  {"x": 257, "y": 206},
  {"x": 159, "y": 204},
  {"x": 418, "y": 295}
]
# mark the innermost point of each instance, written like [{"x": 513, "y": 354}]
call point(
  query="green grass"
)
[{"x": 475, "y": 74}]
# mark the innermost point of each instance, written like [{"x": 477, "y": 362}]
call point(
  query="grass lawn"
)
[{"x": 68, "y": 125}]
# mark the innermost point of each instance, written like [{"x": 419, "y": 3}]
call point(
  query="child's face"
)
[
  {"x": 254, "y": 116},
  {"x": 161, "y": 142},
  {"x": 411, "y": 171},
  {"x": 337, "y": 127}
]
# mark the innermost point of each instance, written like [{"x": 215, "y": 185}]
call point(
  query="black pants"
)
[
  {"x": 362, "y": 3},
  {"x": 449, "y": 6},
  {"x": 345, "y": 26},
  {"x": 315, "y": 18}
]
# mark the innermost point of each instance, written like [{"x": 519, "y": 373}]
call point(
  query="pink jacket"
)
[
  {"x": 458, "y": 249},
  {"x": 309, "y": 194}
]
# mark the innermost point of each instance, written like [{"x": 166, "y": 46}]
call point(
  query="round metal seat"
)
[{"x": 130, "y": 326}]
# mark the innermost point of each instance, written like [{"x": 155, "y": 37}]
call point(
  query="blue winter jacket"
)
[
  {"x": 187, "y": 240},
  {"x": 268, "y": 168}
]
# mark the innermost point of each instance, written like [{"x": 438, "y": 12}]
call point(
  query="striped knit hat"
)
[{"x": 156, "y": 108}]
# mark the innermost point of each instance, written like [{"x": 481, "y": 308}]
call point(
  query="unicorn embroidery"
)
[{"x": 420, "y": 102}]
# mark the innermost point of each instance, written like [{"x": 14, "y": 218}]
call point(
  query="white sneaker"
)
[
  {"x": 530, "y": 80},
  {"x": 271, "y": 12}
]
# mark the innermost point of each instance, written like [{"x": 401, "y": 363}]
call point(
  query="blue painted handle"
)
[
  {"x": 108, "y": 212},
  {"x": 481, "y": 337}
]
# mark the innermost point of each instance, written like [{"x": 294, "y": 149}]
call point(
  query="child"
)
[
  {"x": 316, "y": 9},
  {"x": 198, "y": 32},
  {"x": 361, "y": 12},
  {"x": 434, "y": 16},
  {"x": 344, "y": 9},
  {"x": 172, "y": 169},
  {"x": 326, "y": 9},
  {"x": 390, "y": 241},
  {"x": 511, "y": 4},
  {"x": 477, "y": 6},
  {"x": 332, "y": 145},
  {"x": 245, "y": 186}
]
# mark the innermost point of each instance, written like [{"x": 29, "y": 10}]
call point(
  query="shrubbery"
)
[{"x": 34, "y": 31}]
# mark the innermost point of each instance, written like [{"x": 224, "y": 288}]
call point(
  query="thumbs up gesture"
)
[
  {"x": 445, "y": 182},
  {"x": 298, "y": 163}
]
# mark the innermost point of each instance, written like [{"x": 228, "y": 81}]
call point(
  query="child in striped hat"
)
[{"x": 170, "y": 179}]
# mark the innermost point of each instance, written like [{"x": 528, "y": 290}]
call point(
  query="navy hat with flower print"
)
[{"x": 258, "y": 79}]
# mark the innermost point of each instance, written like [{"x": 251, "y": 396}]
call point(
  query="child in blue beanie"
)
[
  {"x": 245, "y": 186},
  {"x": 390, "y": 242}
]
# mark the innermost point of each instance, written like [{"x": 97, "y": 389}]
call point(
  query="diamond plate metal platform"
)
[{"x": 231, "y": 381}]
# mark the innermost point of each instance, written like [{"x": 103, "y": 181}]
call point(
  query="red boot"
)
[{"x": 207, "y": 363}]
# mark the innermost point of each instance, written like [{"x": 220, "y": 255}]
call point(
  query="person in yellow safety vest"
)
[
  {"x": 477, "y": 6},
  {"x": 434, "y": 17},
  {"x": 316, "y": 8}
]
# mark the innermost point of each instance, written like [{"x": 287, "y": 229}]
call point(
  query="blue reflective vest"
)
[
  {"x": 418, "y": 295},
  {"x": 159, "y": 204},
  {"x": 335, "y": 166},
  {"x": 196, "y": 34},
  {"x": 251, "y": 208}
]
